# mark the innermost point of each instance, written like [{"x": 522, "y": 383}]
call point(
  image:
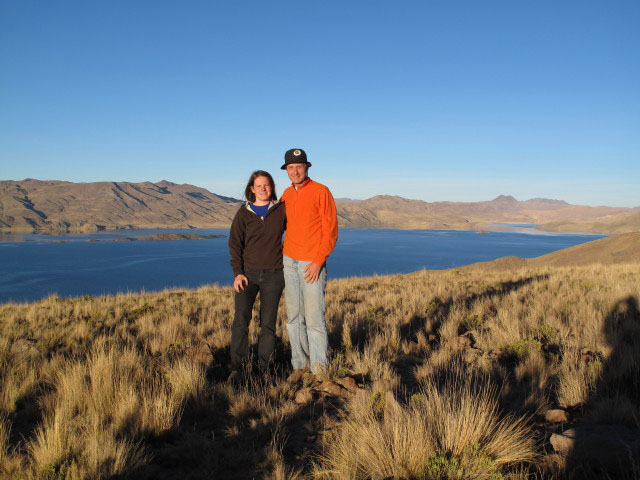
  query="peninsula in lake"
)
[{"x": 39, "y": 206}]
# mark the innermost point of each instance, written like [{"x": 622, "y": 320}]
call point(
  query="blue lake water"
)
[{"x": 35, "y": 267}]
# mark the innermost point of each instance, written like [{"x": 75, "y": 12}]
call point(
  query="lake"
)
[{"x": 35, "y": 266}]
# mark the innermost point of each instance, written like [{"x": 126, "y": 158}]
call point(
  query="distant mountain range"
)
[
  {"x": 34, "y": 205},
  {"x": 386, "y": 211}
]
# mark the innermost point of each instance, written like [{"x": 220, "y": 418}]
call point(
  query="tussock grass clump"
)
[
  {"x": 449, "y": 429},
  {"x": 456, "y": 370}
]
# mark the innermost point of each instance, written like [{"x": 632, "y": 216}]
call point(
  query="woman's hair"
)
[{"x": 249, "y": 195}]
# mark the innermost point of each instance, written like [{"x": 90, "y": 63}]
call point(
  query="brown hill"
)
[
  {"x": 34, "y": 205},
  {"x": 386, "y": 211},
  {"x": 619, "y": 223},
  {"x": 617, "y": 249}
]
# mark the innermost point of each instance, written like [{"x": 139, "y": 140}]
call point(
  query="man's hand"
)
[
  {"x": 239, "y": 283},
  {"x": 312, "y": 272}
]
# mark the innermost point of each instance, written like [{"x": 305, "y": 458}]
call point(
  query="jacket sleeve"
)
[
  {"x": 329, "y": 220},
  {"x": 236, "y": 245}
]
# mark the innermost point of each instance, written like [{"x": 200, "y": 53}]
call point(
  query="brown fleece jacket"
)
[{"x": 254, "y": 242}]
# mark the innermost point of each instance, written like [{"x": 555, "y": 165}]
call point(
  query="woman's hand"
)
[{"x": 239, "y": 283}]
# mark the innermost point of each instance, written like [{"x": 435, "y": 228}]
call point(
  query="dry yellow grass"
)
[{"x": 457, "y": 368}]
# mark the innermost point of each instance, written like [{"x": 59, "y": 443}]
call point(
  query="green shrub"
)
[
  {"x": 417, "y": 400},
  {"x": 60, "y": 471},
  {"x": 471, "y": 322},
  {"x": 546, "y": 334},
  {"x": 439, "y": 466},
  {"x": 521, "y": 349},
  {"x": 472, "y": 463}
]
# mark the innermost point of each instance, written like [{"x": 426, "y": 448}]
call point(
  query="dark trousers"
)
[{"x": 270, "y": 284}]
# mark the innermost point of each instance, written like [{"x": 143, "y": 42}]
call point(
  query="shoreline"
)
[{"x": 482, "y": 229}]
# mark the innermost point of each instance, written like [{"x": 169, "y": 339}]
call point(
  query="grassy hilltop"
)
[{"x": 464, "y": 373}]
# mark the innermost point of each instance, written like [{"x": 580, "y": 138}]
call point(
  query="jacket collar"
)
[{"x": 272, "y": 204}]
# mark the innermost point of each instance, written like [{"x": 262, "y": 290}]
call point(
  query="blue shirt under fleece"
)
[{"x": 261, "y": 210}]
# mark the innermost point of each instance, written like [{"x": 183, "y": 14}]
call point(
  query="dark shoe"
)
[{"x": 296, "y": 375}]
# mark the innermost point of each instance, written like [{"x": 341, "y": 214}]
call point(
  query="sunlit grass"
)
[{"x": 456, "y": 369}]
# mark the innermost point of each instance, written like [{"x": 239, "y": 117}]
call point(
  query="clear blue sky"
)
[{"x": 436, "y": 100}]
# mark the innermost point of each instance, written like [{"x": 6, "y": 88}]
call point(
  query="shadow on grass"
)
[
  {"x": 439, "y": 309},
  {"x": 432, "y": 320},
  {"x": 211, "y": 442},
  {"x": 27, "y": 416},
  {"x": 606, "y": 443}
]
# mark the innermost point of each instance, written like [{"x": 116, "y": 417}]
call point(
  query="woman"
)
[{"x": 255, "y": 244}]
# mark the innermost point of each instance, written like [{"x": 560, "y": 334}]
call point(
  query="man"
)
[{"x": 312, "y": 232}]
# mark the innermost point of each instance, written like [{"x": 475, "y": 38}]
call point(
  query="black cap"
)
[{"x": 295, "y": 155}]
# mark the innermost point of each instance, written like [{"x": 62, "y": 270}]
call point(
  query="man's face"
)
[{"x": 297, "y": 172}]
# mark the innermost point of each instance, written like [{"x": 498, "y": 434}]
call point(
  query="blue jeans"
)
[{"x": 305, "y": 316}]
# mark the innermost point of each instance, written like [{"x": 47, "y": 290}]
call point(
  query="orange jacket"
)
[{"x": 312, "y": 222}]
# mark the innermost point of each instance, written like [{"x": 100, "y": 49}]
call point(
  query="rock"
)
[
  {"x": 556, "y": 415},
  {"x": 332, "y": 389},
  {"x": 563, "y": 442},
  {"x": 348, "y": 383},
  {"x": 609, "y": 446},
  {"x": 304, "y": 395}
]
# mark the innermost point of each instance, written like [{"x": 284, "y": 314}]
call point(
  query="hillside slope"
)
[
  {"x": 618, "y": 223},
  {"x": 34, "y": 205},
  {"x": 614, "y": 250}
]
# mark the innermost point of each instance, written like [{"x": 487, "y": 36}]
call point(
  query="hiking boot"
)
[{"x": 296, "y": 375}]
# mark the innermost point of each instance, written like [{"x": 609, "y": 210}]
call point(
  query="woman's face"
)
[{"x": 262, "y": 189}]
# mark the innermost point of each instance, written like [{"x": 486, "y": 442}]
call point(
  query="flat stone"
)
[
  {"x": 563, "y": 442},
  {"x": 556, "y": 415},
  {"x": 609, "y": 446},
  {"x": 332, "y": 389},
  {"x": 348, "y": 383}
]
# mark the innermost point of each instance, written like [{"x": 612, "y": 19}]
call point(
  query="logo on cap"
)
[{"x": 296, "y": 152}]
